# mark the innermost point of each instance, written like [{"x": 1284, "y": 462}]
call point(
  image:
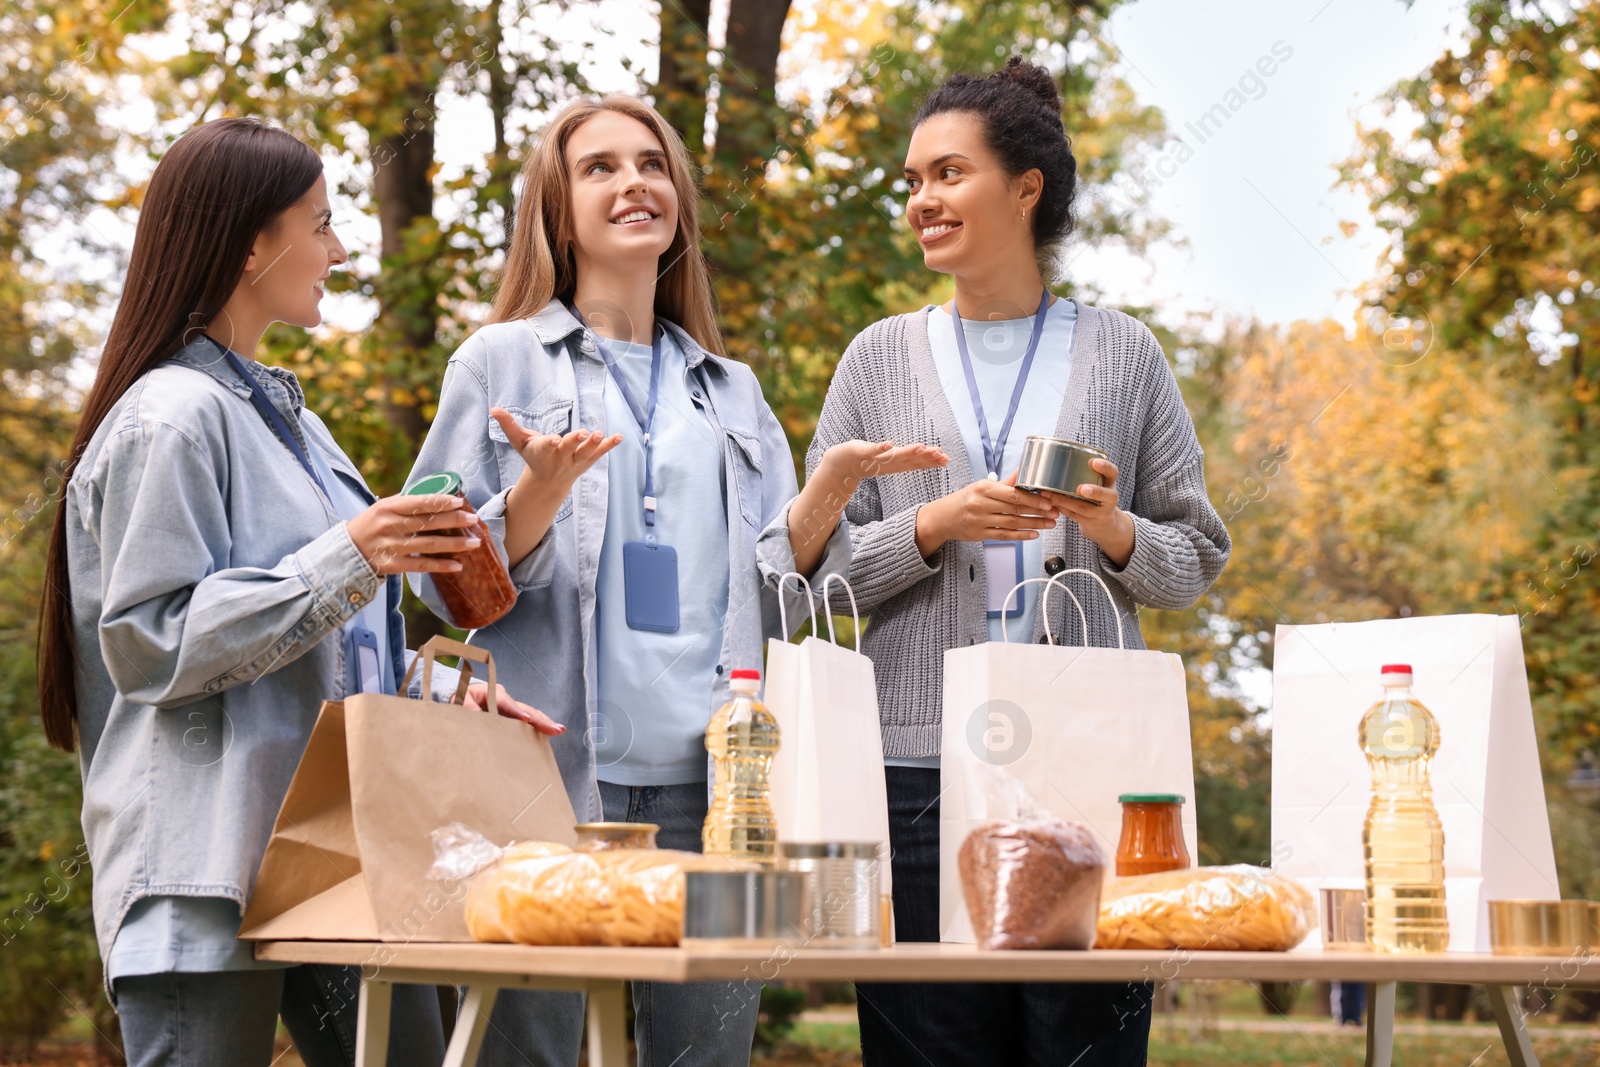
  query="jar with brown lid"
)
[
  {"x": 1152, "y": 834},
  {"x": 481, "y": 591}
]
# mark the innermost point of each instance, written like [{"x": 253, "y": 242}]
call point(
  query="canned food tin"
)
[
  {"x": 603, "y": 836},
  {"x": 743, "y": 909},
  {"x": 845, "y": 883},
  {"x": 1058, "y": 465}
]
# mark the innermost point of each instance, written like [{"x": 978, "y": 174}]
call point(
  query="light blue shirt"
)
[
  {"x": 655, "y": 688},
  {"x": 996, "y": 349}
]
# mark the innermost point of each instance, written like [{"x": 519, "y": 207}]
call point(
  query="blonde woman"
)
[{"x": 642, "y": 491}]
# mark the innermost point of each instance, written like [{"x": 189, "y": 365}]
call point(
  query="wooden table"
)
[{"x": 603, "y": 974}]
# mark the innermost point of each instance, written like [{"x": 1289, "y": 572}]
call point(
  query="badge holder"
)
[
  {"x": 1002, "y": 560},
  {"x": 650, "y": 580},
  {"x": 362, "y": 660}
]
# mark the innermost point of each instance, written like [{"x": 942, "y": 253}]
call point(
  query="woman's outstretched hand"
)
[
  {"x": 553, "y": 462},
  {"x": 477, "y": 699},
  {"x": 815, "y": 513}
]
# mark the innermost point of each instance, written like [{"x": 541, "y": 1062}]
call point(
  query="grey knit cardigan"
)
[{"x": 1121, "y": 397}]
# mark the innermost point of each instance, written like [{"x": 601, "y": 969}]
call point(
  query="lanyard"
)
[
  {"x": 994, "y": 453},
  {"x": 269, "y": 412},
  {"x": 644, "y": 416}
]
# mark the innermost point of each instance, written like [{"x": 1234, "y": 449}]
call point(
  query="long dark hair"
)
[
  {"x": 1020, "y": 107},
  {"x": 217, "y": 188}
]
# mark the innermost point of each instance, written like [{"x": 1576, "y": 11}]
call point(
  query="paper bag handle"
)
[
  {"x": 811, "y": 602},
  {"x": 1116, "y": 612},
  {"x": 854, "y": 613},
  {"x": 1005, "y": 634},
  {"x": 441, "y": 645}
]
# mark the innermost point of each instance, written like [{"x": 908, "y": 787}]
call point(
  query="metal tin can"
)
[
  {"x": 481, "y": 591},
  {"x": 1058, "y": 465},
  {"x": 845, "y": 880},
  {"x": 1344, "y": 920},
  {"x": 743, "y": 909}
]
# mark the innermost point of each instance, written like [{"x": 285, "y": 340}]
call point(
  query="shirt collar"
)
[
  {"x": 555, "y": 322},
  {"x": 205, "y": 354}
]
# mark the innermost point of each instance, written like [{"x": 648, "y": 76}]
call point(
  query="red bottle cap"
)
[
  {"x": 746, "y": 674},
  {"x": 1395, "y": 668}
]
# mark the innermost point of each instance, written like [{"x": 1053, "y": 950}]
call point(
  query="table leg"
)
[
  {"x": 372, "y": 1023},
  {"x": 1380, "y": 1024},
  {"x": 608, "y": 1024},
  {"x": 1512, "y": 1020},
  {"x": 472, "y": 1022}
]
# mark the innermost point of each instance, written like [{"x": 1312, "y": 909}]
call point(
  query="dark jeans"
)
[
  {"x": 231, "y": 1017},
  {"x": 944, "y": 1024}
]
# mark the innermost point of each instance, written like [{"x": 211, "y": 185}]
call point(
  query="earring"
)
[{"x": 1024, "y": 214}]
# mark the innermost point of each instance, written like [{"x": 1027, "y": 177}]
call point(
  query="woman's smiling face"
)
[
  {"x": 624, "y": 206},
  {"x": 963, "y": 207}
]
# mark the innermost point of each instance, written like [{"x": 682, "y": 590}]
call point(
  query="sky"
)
[{"x": 1251, "y": 195}]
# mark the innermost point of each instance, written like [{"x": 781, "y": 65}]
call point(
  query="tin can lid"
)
[
  {"x": 1151, "y": 798},
  {"x": 443, "y": 482}
]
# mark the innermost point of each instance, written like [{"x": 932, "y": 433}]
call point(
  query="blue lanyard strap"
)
[
  {"x": 994, "y": 454},
  {"x": 645, "y": 416},
  {"x": 270, "y": 413}
]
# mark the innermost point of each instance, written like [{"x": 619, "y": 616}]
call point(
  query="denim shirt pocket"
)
[
  {"x": 745, "y": 450},
  {"x": 552, "y": 418}
]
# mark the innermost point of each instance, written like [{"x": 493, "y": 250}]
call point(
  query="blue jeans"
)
[
  {"x": 676, "y": 1024},
  {"x": 944, "y": 1024},
  {"x": 230, "y": 1017}
]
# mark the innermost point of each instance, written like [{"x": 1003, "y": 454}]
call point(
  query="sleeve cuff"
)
[
  {"x": 536, "y": 569},
  {"x": 775, "y": 558},
  {"x": 341, "y": 580},
  {"x": 1148, "y": 569}
]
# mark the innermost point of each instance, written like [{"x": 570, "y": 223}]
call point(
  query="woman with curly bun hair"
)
[{"x": 991, "y": 180}]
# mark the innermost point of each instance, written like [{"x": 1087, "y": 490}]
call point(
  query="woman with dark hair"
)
[
  {"x": 217, "y": 569},
  {"x": 991, "y": 179}
]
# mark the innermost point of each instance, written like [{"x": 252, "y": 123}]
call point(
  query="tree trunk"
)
[
  {"x": 685, "y": 78},
  {"x": 747, "y": 128}
]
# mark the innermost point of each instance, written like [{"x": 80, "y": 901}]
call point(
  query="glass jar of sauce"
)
[
  {"x": 481, "y": 591},
  {"x": 604, "y": 836},
  {"x": 1152, "y": 834}
]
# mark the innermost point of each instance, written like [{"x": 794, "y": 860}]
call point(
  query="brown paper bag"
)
[{"x": 349, "y": 853}]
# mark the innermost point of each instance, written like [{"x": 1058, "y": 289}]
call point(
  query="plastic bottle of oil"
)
[
  {"x": 1403, "y": 838},
  {"x": 742, "y": 739}
]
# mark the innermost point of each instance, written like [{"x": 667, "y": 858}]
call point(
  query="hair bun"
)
[{"x": 1032, "y": 77}]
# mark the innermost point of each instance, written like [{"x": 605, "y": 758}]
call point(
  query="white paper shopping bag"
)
[
  {"x": 827, "y": 779},
  {"x": 1468, "y": 672},
  {"x": 1078, "y": 726}
]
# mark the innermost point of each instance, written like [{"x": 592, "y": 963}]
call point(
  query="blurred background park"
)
[{"x": 1364, "y": 231}]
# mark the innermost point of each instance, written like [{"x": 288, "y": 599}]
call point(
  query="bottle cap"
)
[
  {"x": 1397, "y": 672},
  {"x": 756, "y": 675}
]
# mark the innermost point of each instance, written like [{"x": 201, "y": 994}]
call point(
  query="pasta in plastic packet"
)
[
  {"x": 1031, "y": 881},
  {"x": 1239, "y": 908},
  {"x": 542, "y": 893}
]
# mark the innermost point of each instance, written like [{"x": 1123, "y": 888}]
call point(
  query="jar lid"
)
[
  {"x": 827, "y": 850},
  {"x": 616, "y": 827},
  {"x": 1150, "y": 798},
  {"x": 443, "y": 482}
]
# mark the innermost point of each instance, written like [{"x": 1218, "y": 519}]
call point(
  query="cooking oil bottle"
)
[
  {"x": 1403, "y": 838},
  {"x": 742, "y": 739}
]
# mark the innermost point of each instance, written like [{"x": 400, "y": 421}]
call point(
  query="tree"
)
[{"x": 1490, "y": 205}]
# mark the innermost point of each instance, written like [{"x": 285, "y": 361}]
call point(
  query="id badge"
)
[
  {"x": 1003, "y": 562},
  {"x": 362, "y": 661},
  {"x": 650, "y": 586}
]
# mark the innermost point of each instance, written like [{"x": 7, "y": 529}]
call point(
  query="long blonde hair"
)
[{"x": 540, "y": 264}]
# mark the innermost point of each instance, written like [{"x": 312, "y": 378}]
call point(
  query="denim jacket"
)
[
  {"x": 547, "y": 372},
  {"x": 210, "y": 579}
]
